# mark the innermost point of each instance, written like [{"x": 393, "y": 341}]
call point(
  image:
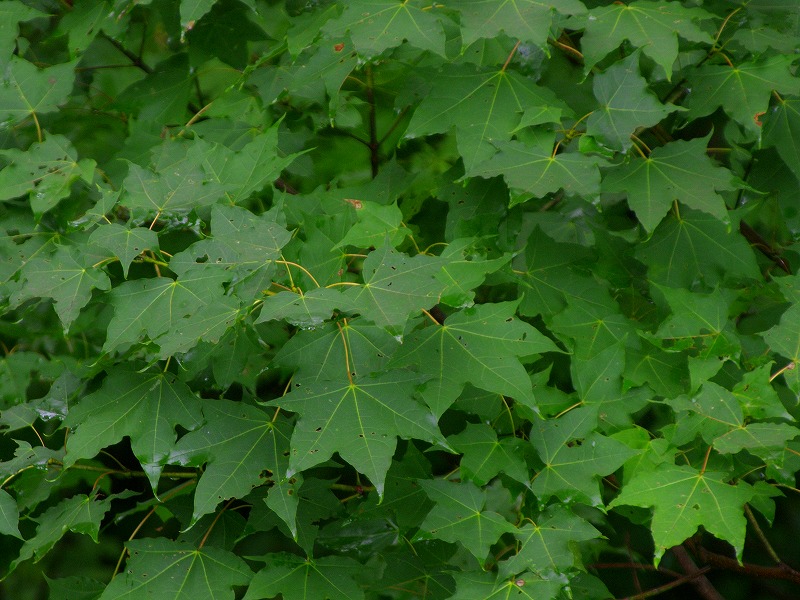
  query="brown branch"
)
[
  {"x": 781, "y": 571},
  {"x": 136, "y": 60},
  {"x": 668, "y": 586},
  {"x": 700, "y": 582}
]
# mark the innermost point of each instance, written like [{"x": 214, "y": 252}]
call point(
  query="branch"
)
[
  {"x": 700, "y": 582},
  {"x": 782, "y": 571}
]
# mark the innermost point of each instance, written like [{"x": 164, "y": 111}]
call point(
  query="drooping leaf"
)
[
  {"x": 784, "y": 338},
  {"x": 683, "y": 499},
  {"x": 626, "y": 104},
  {"x": 9, "y": 515},
  {"x": 360, "y": 420},
  {"x": 782, "y": 131},
  {"x": 487, "y": 342},
  {"x": 306, "y": 311},
  {"x": 79, "y": 514},
  {"x": 678, "y": 171},
  {"x": 162, "y": 568},
  {"x": 240, "y": 446},
  {"x": 459, "y": 515},
  {"x": 144, "y": 407}
]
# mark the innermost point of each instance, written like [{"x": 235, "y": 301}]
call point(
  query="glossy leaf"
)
[{"x": 293, "y": 578}]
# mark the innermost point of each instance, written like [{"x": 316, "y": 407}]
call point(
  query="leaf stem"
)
[
  {"x": 346, "y": 351},
  {"x": 510, "y": 56},
  {"x": 213, "y": 523},
  {"x": 302, "y": 268}
]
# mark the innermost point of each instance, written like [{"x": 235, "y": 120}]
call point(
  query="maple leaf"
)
[{"x": 683, "y": 499}]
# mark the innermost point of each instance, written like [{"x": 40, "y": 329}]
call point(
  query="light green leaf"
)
[
  {"x": 678, "y": 171},
  {"x": 11, "y": 15},
  {"x": 126, "y": 243},
  {"x": 359, "y": 420},
  {"x": 526, "y": 20},
  {"x": 308, "y": 310},
  {"x": 743, "y": 91},
  {"x": 784, "y": 338},
  {"x": 652, "y": 26},
  {"x": 143, "y": 407},
  {"x": 27, "y": 91},
  {"x": 466, "y": 269},
  {"x": 626, "y": 104},
  {"x": 684, "y": 499},
  {"x": 485, "y": 343},
  {"x": 575, "y": 457},
  {"x": 46, "y": 172},
  {"x": 162, "y": 568},
  {"x": 378, "y": 25},
  {"x": 459, "y": 516},
  {"x": 66, "y": 276},
  {"x": 237, "y": 444},
  {"x": 295, "y": 578},
  {"x": 192, "y": 11}
]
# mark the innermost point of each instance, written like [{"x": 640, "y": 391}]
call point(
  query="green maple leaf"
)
[
  {"x": 743, "y": 91},
  {"x": 236, "y": 444},
  {"x": 782, "y": 131},
  {"x": 246, "y": 171},
  {"x": 242, "y": 246},
  {"x": 667, "y": 373},
  {"x": 626, "y": 104},
  {"x": 784, "y": 338},
  {"x": 548, "y": 545},
  {"x": 683, "y": 499},
  {"x": 143, "y": 407},
  {"x": 126, "y": 243},
  {"x": 192, "y": 11},
  {"x": 497, "y": 100},
  {"x": 458, "y": 515},
  {"x": 533, "y": 169},
  {"x": 466, "y": 268},
  {"x": 46, "y": 172},
  {"x": 575, "y": 457},
  {"x": 681, "y": 170},
  {"x": 549, "y": 274},
  {"x": 592, "y": 325},
  {"x": 395, "y": 287},
  {"x": 652, "y": 26},
  {"x": 79, "y": 514},
  {"x": 27, "y": 91},
  {"x": 295, "y": 578},
  {"x": 175, "y": 314},
  {"x": 359, "y": 420},
  {"x": 375, "y": 223},
  {"x": 66, "y": 276},
  {"x": 303, "y": 310},
  {"x": 488, "y": 586},
  {"x": 175, "y": 191},
  {"x": 9, "y": 515},
  {"x": 758, "y": 398},
  {"x": 378, "y": 25},
  {"x": 696, "y": 247},
  {"x": 162, "y": 568},
  {"x": 11, "y": 15},
  {"x": 319, "y": 354},
  {"x": 481, "y": 345},
  {"x": 527, "y": 20},
  {"x": 484, "y": 456}
]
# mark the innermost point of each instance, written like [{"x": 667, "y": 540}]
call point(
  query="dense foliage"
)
[{"x": 384, "y": 300}]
